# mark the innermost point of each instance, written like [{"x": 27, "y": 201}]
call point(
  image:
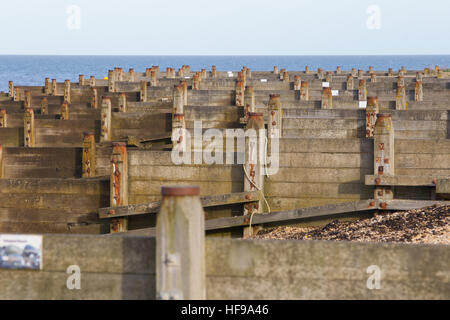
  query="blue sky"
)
[{"x": 231, "y": 27}]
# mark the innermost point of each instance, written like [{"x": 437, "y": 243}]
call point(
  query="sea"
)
[{"x": 33, "y": 69}]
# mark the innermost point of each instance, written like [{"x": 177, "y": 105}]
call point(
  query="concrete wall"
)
[{"x": 124, "y": 268}]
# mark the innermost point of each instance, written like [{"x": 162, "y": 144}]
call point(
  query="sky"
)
[{"x": 227, "y": 27}]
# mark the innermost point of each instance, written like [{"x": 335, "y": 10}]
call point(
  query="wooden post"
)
[
  {"x": 338, "y": 70},
  {"x": 426, "y": 71},
  {"x": 88, "y": 158},
  {"x": 419, "y": 76},
  {"x": 44, "y": 105},
  {"x": 350, "y": 82},
  {"x": 373, "y": 78},
  {"x": 178, "y": 101},
  {"x": 275, "y": 115},
  {"x": 29, "y": 133},
  {"x": 319, "y": 73},
  {"x": 275, "y": 70},
  {"x": 105, "y": 134},
  {"x": 27, "y": 99},
  {"x": 119, "y": 185},
  {"x": 47, "y": 87},
  {"x": 1, "y": 162},
  {"x": 400, "y": 81},
  {"x": 384, "y": 154},
  {"x": 213, "y": 72},
  {"x": 390, "y": 72},
  {"x": 11, "y": 89},
  {"x": 143, "y": 93},
  {"x": 306, "y": 70},
  {"x": 111, "y": 82},
  {"x": 240, "y": 89},
  {"x": 67, "y": 91},
  {"x": 92, "y": 81},
  {"x": 418, "y": 91},
  {"x": 204, "y": 74},
  {"x": 372, "y": 110},
  {"x": 370, "y": 69},
  {"x": 354, "y": 73},
  {"x": 195, "y": 82},
  {"x": 180, "y": 245},
  {"x": 327, "y": 98},
  {"x": 185, "y": 91},
  {"x": 304, "y": 91},
  {"x": 17, "y": 96},
  {"x": 360, "y": 74},
  {"x": 253, "y": 167},
  {"x": 131, "y": 76},
  {"x": 94, "y": 98},
  {"x": 81, "y": 80},
  {"x": 297, "y": 82},
  {"x": 328, "y": 77},
  {"x": 3, "y": 118},
  {"x": 64, "y": 111},
  {"x": 153, "y": 78},
  {"x": 122, "y": 102},
  {"x": 362, "y": 90},
  {"x": 285, "y": 77},
  {"x": 248, "y": 73},
  {"x": 249, "y": 98},
  {"x": 54, "y": 87},
  {"x": 400, "y": 99}
]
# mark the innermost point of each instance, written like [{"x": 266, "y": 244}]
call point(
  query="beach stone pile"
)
[{"x": 426, "y": 225}]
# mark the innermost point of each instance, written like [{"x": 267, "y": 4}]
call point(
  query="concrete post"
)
[
  {"x": 418, "y": 91},
  {"x": 304, "y": 91},
  {"x": 3, "y": 119},
  {"x": 105, "y": 133},
  {"x": 213, "y": 72},
  {"x": 384, "y": 153},
  {"x": 131, "y": 76},
  {"x": 153, "y": 78},
  {"x": 195, "y": 82},
  {"x": 400, "y": 99},
  {"x": 122, "y": 102},
  {"x": 178, "y": 103},
  {"x": 28, "y": 128},
  {"x": 47, "y": 87},
  {"x": 11, "y": 89},
  {"x": 249, "y": 99},
  {"x": 297, "y": 82},
  {"x": 350, "y": 82},
  {"x": 81, "y": 80},
  {"x": 92, "y": 81},
  {"x": 362, "y": 90},
  {"x": 372, "y": 110},
  {"x": 328, "y": 77},
  {"x": 275, "y": 115},
  {"x": 306, "y": 69},
  {"x": 185, "y": 92},
  {"x": 54, "y": 88},
  {"x": 338, "y": 70},
  {"x": 111, "y": 81},
  {"x": 27, "y": 99},
  {"x": 67, "y": 91},
  {"x": 94, "y": 98},
  {"x": 119, "y": 184},
  {"x": 88, "y": 157},
  {"x": 180, "y": 245},
  {"x": 64, "y": 111},
  {"x": 253, "y": 167},
  {"x": 327, "y": 98},
  {"x": 275, "y": 70},
  {"x": 360, "y": 74},
  {"x": 320, "y": 73},
  {"x": 240, "y": 88},
  {"x": 44, "y": 105},
  {"x": 373, "y": 78},
  {"x": 143, "y": 93}
]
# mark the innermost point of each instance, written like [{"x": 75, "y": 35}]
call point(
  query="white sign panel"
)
[
  {"x": 363, "y": 104},
  {"x": 334, "y": 92},
  {"x": 325, "y": 84},
  {"x": 263, "y": 80},
  {"x": 20, "y": 251},
  {"x": 230, "y": 74}
]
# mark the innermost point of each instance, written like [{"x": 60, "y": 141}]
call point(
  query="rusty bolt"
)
[
  {"x": 111, "y": 211},
  {"x": 248, "y": 197},
  {"x": 433, "y": 181},
  {"x": 372, "y": 203},
  {"x": 383, "y": 205},
  {"x": 377, "y": 181}
]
